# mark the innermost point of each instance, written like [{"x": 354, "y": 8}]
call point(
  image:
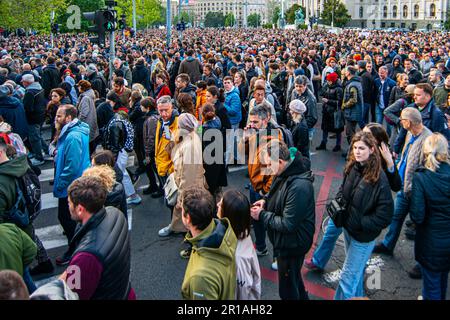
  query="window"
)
[
  {"x": 383, "y": 24},
  {"x": 416, "y": 11},
  {"x": 405, "y": 11},
  {"x": 394, "y": 12},
  {"x": 385, "y": 11},
  {"x": 432, "y": 10},
  {"x": 361, "y": 12}
]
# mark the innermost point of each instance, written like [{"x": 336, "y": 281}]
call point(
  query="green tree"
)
[
  {"x": 276, "y": 15},
  {"x": 184, "y": 16},
  {"x": 290, "y": 13},
  {"x": 214, "y": 20},
  {"x": 335, "y": 10},
  {"x": 229, "y": 20},
  {"x": 254, "y": 20},
  {"x": 447, "y": 21}
]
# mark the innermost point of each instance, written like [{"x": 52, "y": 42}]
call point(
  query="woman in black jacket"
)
[
  {"x": 332, "y": 100},
  {"x": 368, "y": 199},
  {"x": 299, "y": 128},
  {"x": 399, "y": 90},
  {"x": 430, "y": 211}
]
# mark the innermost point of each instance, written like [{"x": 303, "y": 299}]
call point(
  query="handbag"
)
[
  {"x": 338, "y": 117},
  {"x": 171, "y": 191},
  {"x": 337, "y": 208}
]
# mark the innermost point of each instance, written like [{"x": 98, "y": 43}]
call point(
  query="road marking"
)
[
  {"x": 48, "y": 201},
  {"x": 235, "y": 169},
  {"x": 333, "y": 277},
  {"x": 46, "y": 175}
]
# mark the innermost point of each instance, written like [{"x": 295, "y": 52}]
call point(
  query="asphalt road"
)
[{"x": 158, "y": 270}]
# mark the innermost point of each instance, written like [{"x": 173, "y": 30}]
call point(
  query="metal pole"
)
[
  {"x": 112, "y": 53},
  {"x": 332, "y": 15},
  {"x": 282, "y": 15},
  {"x": 168, "y": 24},
  {"x": 134, "y": 17},
  {"x": 51, "y": 26}
]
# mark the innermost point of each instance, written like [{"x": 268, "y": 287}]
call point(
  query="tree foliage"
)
[
  {"x": 276, "y": 15},
  {"x": 254, "y": 20},
  {"x": 229, "y": 20},
  {"x": 214, "y": 20},
  {"x": 341, "y": 16}
]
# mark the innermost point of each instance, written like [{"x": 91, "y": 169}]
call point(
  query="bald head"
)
[{"x": 26, "y": 67}]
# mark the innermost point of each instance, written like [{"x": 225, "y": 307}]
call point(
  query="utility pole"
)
[
  {"x": 52, "y": 18},
  {"x": 282, "y": 15},
  {"x": 134, "y": 18},
  {"x": 168, "y": 24},
  {"x": 112, "y": 46}
]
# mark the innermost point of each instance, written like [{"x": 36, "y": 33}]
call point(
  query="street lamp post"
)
[{"x": 168, "y": 24}]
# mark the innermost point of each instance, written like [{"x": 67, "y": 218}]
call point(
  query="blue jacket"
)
[
  {"x": 432, "y": 118},
  {"x": 72, "y": 157},
  {"x": 430, "y": 210},
  {"x": 233, "y": 106},
  {"x": 388, "y": 85},
  {"x": 12, "y": 111}
]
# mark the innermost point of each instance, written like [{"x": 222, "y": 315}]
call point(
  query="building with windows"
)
[{"x": 411, "y": 14}]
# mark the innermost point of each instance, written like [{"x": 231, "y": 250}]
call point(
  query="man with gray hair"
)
[
  {"x": 302, "y": 93},
  {"x": 98, "y": 83},
  {"x": 411, "y": 158},
  {"x": 34, "y": 103},
  {"x": 119, "y": 65}
]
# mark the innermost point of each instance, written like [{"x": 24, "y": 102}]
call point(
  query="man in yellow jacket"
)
[{"x": 165, "y": 130}]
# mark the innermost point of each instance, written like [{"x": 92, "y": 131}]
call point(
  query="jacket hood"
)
[
  {"x": 355, "y": 79},
  {"x": 190, "y": 87},
  {"x": 75, "y": 125},
  {"x": 397, "y": 57},
  {"x": 217, "y": 241},
  {"x": 15, "y": 167},
  {"x": 269, "y": 89},
  {"x": 34, "y": 86},
  {"x": 440, "y": 179},
  {"x": 298, "y": 167},
  {"x": 55, "y": 290},
  {"x": 9, "y": 102},
  {"x": 234, "y": 90},
  {"x": 213, "y": 124},
  {"x": 90, "y": 93}
]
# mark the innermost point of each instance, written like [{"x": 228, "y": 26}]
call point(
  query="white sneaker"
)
[
  {"x": 134, "y": 200},
  {"x": 36, "y": 162},
  {"x": 274, "y": 266},
  {"x": 165, "y": 232}
]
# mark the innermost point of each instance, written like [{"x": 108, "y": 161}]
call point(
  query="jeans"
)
[
  {"x": 31, "y": 286},
  {"x": 258, "y": 226},
  {"x": 380, "y": 118},
  {"x": 338, "y": 138},
  {"x": 434, "y": 284},
  {"x": 290, "y": 280},
  {"x": 37, "y": 144},
  {"x": 325, "y": 249},
  {"x": 365, "y": 115},
  {"x": 401, "y": 210},
  {"x": 351, "y": 284},
  {"x": 122, "y": 160}
]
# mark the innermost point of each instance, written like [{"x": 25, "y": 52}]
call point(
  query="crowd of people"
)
[{"x": 189, "y": 111}]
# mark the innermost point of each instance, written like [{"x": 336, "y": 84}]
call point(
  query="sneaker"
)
[
  {"x": 165, "y": 232},
  {"x": 274, "y": 266},
  {"x": 262, "y": 253},
  {"x": 48, "y": 157},
  {"x": 186, "y": 253},
  {"x": 134, "y": 200},
  {"x": 322, "y": 146},
  {"x": 410, "y": 233},
  {"x": 157, "y": 194},
  {"x": 44, "y": 267},
  {"x": 35, "y": 162},
  {"x": 415, "y": 273},
  {"x": 63, "y": 260},
  {"x": 337, "y": 149},
  {"x": 310, "y": 265},
  {"x": 381, "y": 248}
]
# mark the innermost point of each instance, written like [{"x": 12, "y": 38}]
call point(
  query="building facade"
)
[{"x": 411, "y": 14}]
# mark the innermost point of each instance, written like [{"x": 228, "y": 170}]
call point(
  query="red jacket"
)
[{"x": 165, "y": 91}]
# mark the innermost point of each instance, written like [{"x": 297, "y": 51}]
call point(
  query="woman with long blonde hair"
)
[{"x": 430, "y": 211}]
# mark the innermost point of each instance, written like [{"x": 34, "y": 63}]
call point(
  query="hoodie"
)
[
  {"x": 192, "y": 67},
  {"x": 9, "y": 172},
  {"x": 430, "y": 210},
  {"x": 393, "y": 71},
  {"x": 13, "y": 113},
  {"x": 87, "y": 112},
  {"x": 34, "y": 103},
  {"x": 211, "y": 271}
]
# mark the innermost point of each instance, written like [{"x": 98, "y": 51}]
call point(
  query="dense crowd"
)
[{"x": 189, "y": 111}]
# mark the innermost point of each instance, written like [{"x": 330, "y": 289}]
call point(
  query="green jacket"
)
[
  {"x": 211, "y": 271},
  {"x": 440, "y": 96},
  {"x": 9, "y": 172},
  {"x": 17, "y": 249}
]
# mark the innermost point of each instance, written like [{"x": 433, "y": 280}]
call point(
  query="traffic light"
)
[
  {"x": 122, "y": 22},
  {"x": 110, "y": 20},
  {"x": 98, "y": 19}
]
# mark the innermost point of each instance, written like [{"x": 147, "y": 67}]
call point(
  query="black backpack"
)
[{"x": 28, "y": 202}]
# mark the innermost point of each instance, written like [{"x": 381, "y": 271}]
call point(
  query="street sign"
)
[{"x": 181, "y": 26}]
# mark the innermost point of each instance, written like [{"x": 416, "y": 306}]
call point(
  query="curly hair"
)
[
  {"x": 103, "y": 172},
  {"x": 372, "y": 169}
]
